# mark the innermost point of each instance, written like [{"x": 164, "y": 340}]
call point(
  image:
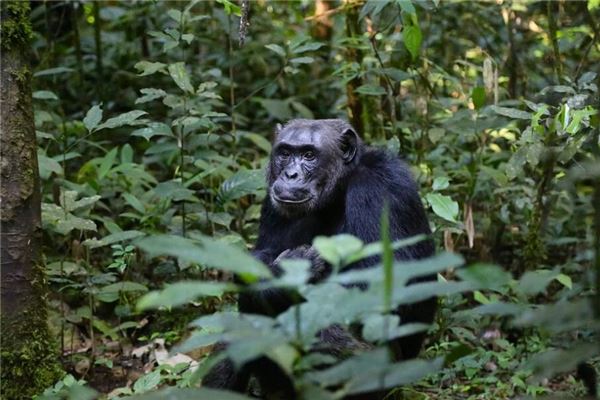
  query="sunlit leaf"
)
[
  {"x": 180, "y": 77},
  {"x": 181, "y": 293},
  {"x": 93, "y": 118},
  {"x": 113, "y": 238},
  {"x": 443, "y": 206},
  {"x": 208, "y": 252},
  {"x": 124, "y": 119},
  {"x": 412, "y": 39}
]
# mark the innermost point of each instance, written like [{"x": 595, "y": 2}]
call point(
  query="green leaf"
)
[
  {"x": 47, "y": 166},
  {"x": 556, "y": 361},
  {"x": 134, "y": 202},
  {"x": 174, "y": 14},
  {"x": 93, "y": 118},
  {"x": 370, "y": 90},
  {"x": 535, "y": 282},
  {"x": 562, "y": 316},
  {"x": 406, "y": 6},
  {"x": 69, "y": 202},
  {"x": 113, "y": 238},
  {"x": 208, "y": 252},
  {"x": 278, "y": 109},
  {"x": 242, "y": 183},
  {"x": 374, "y": 328},
  {"x": 336, "y": 249},
  {"x": 478, "y": 96},
  {"x": 181, "y": 77},
  {"x": 181, "y": 293},
  {"x": 398, "y": 374},
  {"x": 259, "y": 140},
  {"x": 150, "y": 94},
  {"x": 512, "y": 112},
  {"x": 443, "y": 206},
  {"x": 127, "y": 118},
  {"x": 462, "y": 350},
  {"x": 412, "y": 39},
  {"x": 149, "y": 68},
  {"x": 147, "y": 382},
  {"x": 441, "y": 183},
  {"x": 396, "y": 74},
  {"x": 62, "y": 223},
  {"x": 230, "y": 7},
  {"x": 276, "y": 48},
  {"x": 311, "y": 46},
  {"x": 565, "y": 280},
  {"x": 111, "y": 292},
  {"x": 387, "y": 259},
  {"x": 302, "y": 60},
  {"x": 44, "y": 95},
  {"x": 53, "y": 71},
  {"x": 107, "y": 163},
  {"x": 153, "y": 129},
  {"x": 485, "y": 276}
]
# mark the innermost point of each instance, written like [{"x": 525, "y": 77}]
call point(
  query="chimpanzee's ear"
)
[
  {"x": 278, "y": 129},
  {"x": 349, "y": 145}
]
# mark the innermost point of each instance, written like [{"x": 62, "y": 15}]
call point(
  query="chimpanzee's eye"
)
[
  {"x": 284, "y": 154},
  {"x": 309, "y": 155}
]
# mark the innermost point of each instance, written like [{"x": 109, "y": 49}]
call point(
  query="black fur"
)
[{"x": 356, "y": 193}]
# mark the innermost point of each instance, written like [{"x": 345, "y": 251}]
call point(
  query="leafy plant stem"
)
[
  {"x": 534, "y": 250},
  {"x": 182, "y": 133},
  {"x": 388, "y": 83},
  {"x": 98, "y": 43},
  {"x": 231, "y": 85},
  {"x": 596, "y": 202},
  {"x": 556, "y": 64}
]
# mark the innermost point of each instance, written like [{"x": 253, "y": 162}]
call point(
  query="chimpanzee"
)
[{"x": 322, "y": 180}]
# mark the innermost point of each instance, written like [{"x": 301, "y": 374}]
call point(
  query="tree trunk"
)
[{"x": 29, "y": 357}]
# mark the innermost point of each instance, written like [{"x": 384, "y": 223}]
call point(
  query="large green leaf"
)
[
  {"x": 512, "y": 112},
  {"x": 180, "y": 293},
  {"x": 242, "y": 183},
  {"x": 149, "y": 68},
  {"x": 412, "y": 39},
  {"x": 93, "y": 118},
  {"x": 62, "y": 222},
  {"x": 443, "y": 206},
  {"x": 485, "y": 275},
  {"x": 208, "y": 252},
  {"x": 111, "y": 292},
  {"x": 552, "y": 362},
  {"x": 276, "y": 49},
  {"x": 336, "y": 249},
  {"x": 127, "y": 118},
  {"x": 44, "y": 95},
  {"x": 180, "y": 77},
  {"x": 113, "y": 238},
  {"x": 370, "y": 90}
]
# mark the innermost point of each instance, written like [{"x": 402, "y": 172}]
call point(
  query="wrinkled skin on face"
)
[{"x": 309, "y": 162}]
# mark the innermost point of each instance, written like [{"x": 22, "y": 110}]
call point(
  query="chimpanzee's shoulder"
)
[{"x": 380, "y": 167}]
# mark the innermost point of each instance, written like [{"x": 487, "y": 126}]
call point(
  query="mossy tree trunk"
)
[{"x": 28, "y": 357}]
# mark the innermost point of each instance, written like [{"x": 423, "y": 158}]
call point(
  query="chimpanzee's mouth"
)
[{"x": 291, "y": 201}]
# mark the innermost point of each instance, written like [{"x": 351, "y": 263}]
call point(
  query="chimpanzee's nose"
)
[{"x": 291, "y": 174}]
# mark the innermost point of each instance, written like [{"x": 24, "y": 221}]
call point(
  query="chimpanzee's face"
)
[{"x": 307, "y": 162}]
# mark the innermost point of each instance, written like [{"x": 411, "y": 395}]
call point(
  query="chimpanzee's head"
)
[{"x": 310, "y": 162}]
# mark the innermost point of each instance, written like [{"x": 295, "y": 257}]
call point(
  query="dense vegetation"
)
[{"x": 154, "y": 121}]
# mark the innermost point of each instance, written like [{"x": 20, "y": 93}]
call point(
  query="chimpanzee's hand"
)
[{"x": 319, "y": 269}]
